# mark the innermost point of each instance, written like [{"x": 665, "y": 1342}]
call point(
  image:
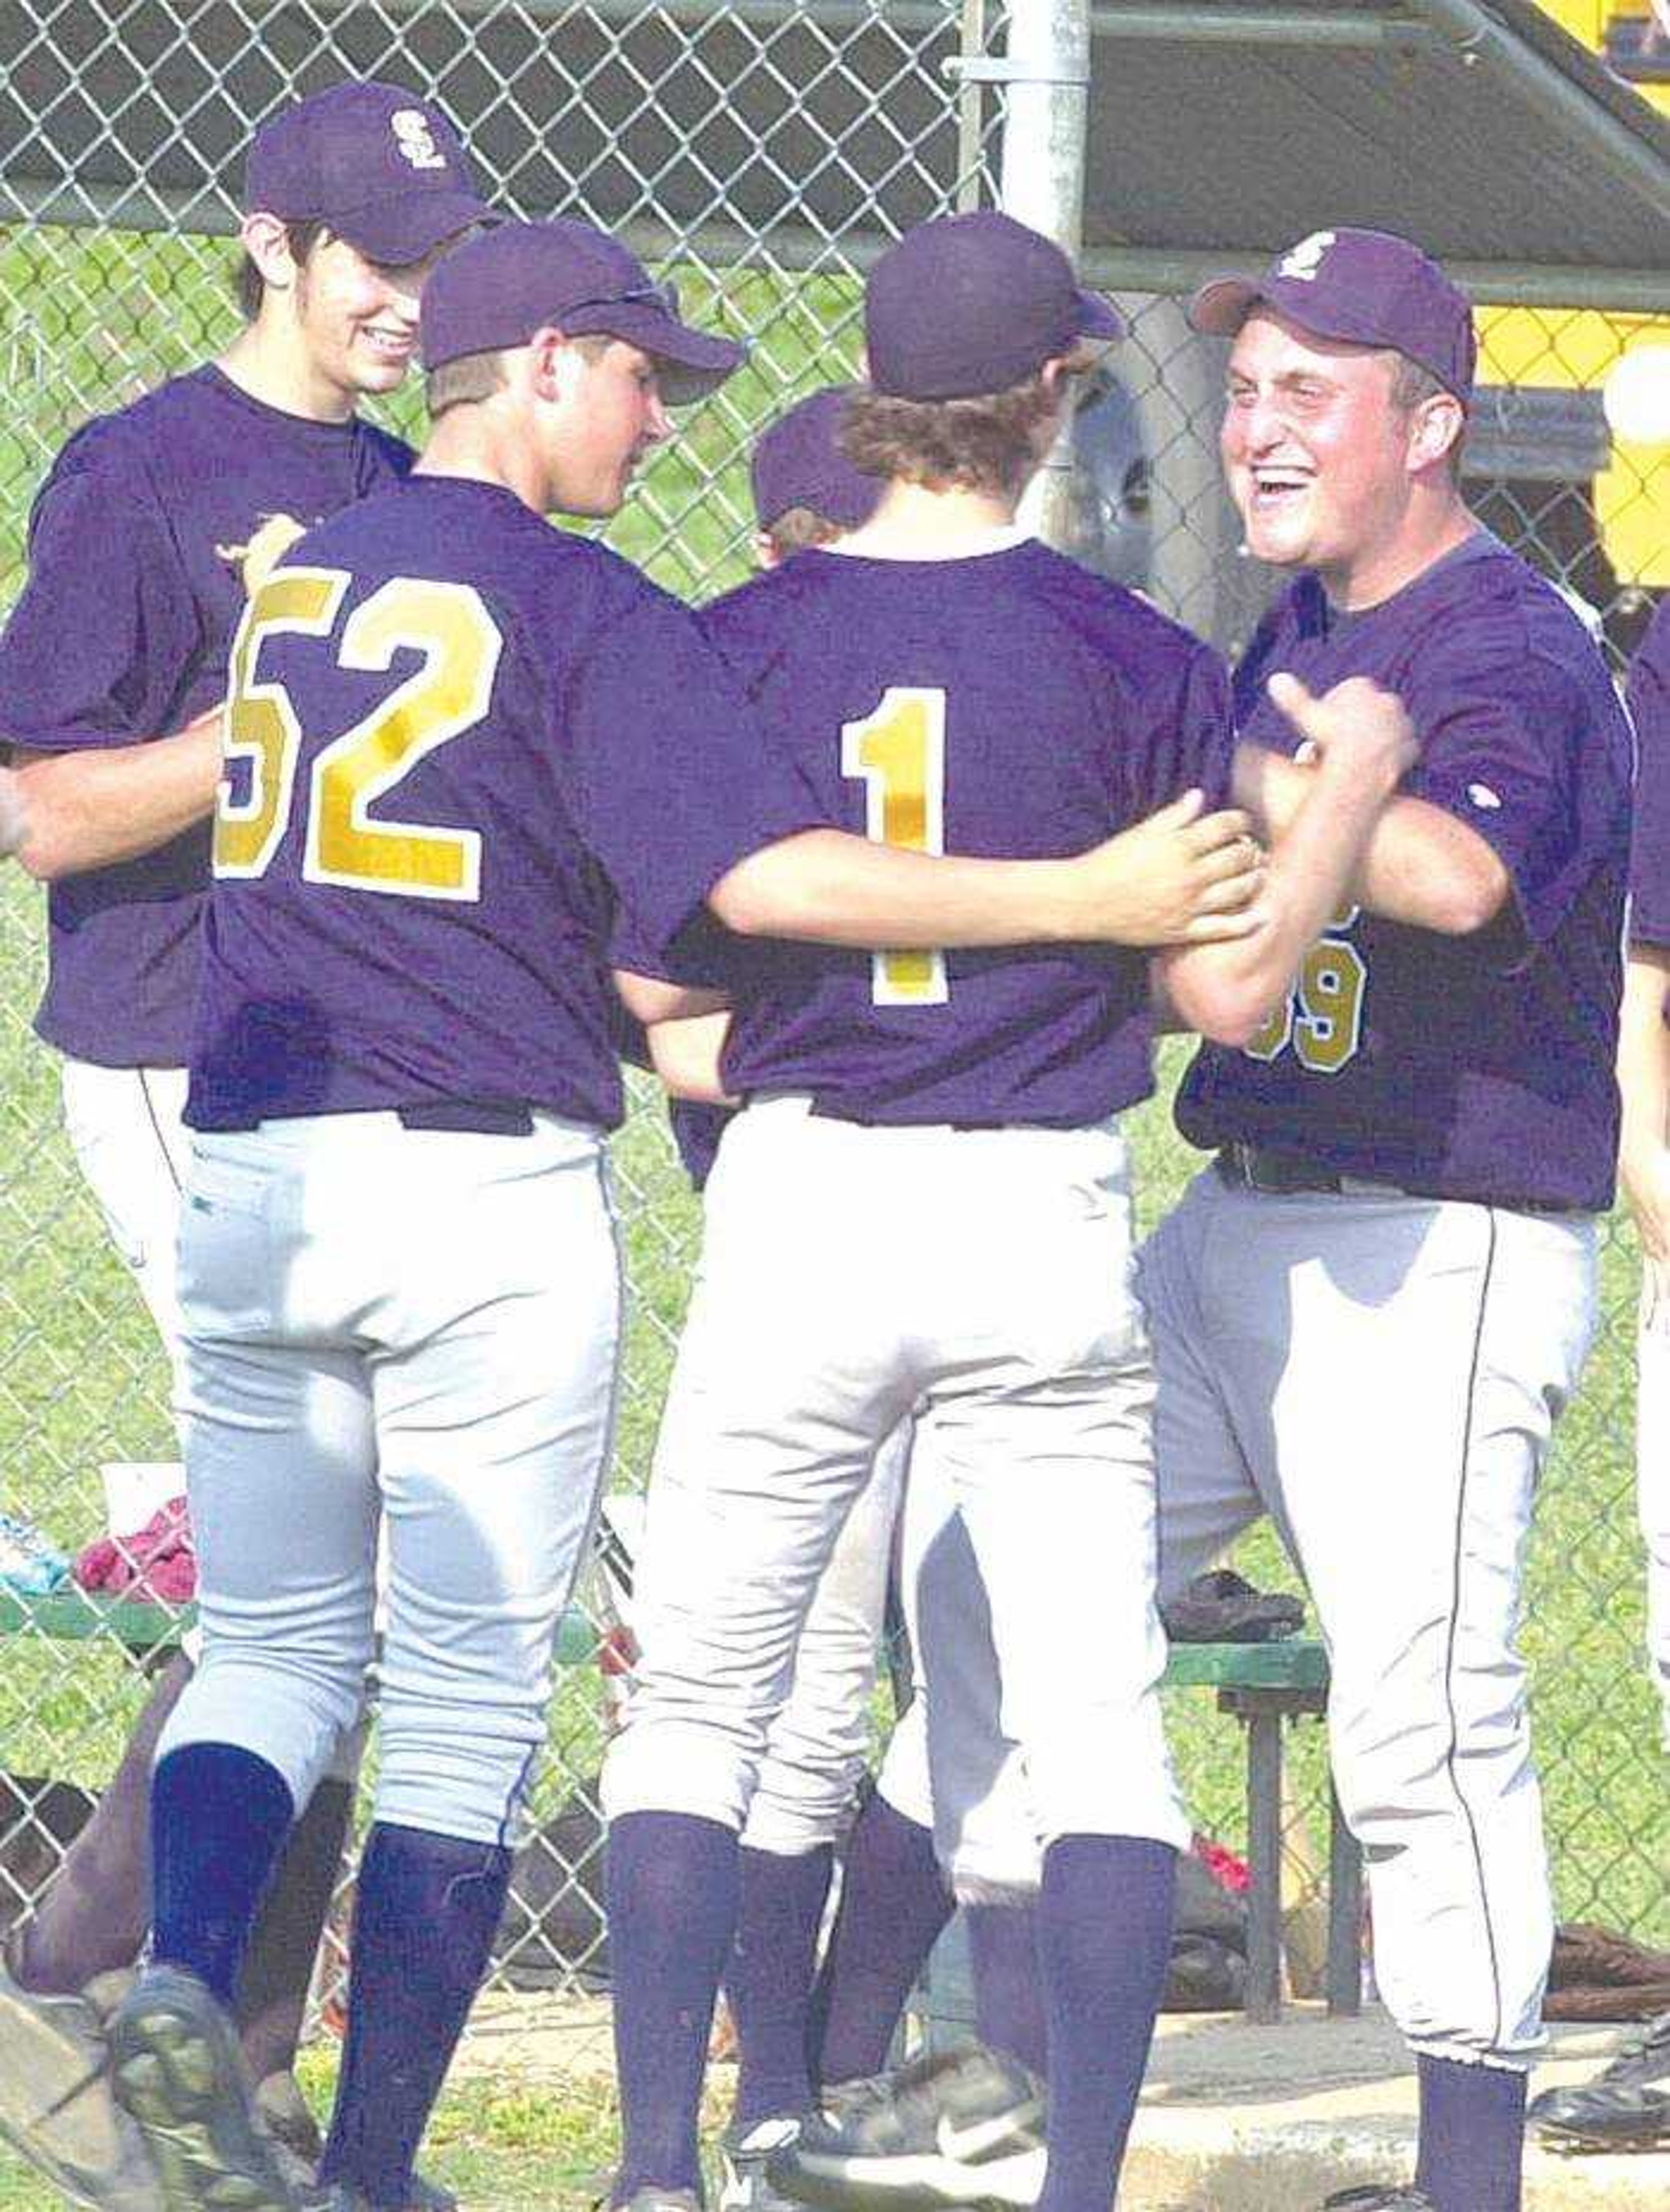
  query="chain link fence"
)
[{"x": 759, "y": 155}]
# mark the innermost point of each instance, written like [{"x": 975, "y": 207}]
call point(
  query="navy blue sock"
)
[
  {"x": 425, "y": 1910},
  {"x": 1104, "y": 1941},
  {"x": 1473, "y": 2134},
  {"x": 672, "y": 1914},
  {"x": 1009, "y": 1988},
  {"x": 219, "y": 1818},
  {"x": 768, "y": 1982},
  {"x": 894, "y": 1902}
]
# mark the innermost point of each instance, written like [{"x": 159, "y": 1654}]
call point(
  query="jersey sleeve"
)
[
  {"x": 1512, "y": 751},
  {"x": 100, "y": 639},
  {"x": 1205, "y": 730},
  {"x": 1649, "y": 848},
  {"x": 673, "y": 781}
]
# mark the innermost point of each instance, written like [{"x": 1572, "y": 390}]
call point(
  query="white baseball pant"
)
[
  {"x": 1653, "y": 1472},
  {"x": 124, "y": 1128},
  {"x": 848, "y": 1271},
  {"x": 818, "y": 1747},
  {"x": 416, "y": 1325},
  {"x": 1380, "y": 1374}
]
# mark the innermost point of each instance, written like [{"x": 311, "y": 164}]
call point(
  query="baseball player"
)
[
  {"x": 112, "y": 668},
  {"x": 1628, "y": 2108},
  {"x": 807, "y": 493},
  {"x": 456, "y": 739},
  {"x": 1410, "y": 1156},
  {"x": 926, "y": 1197}
]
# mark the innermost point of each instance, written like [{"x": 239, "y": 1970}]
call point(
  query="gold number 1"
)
[{"x": 898, "y": 753}]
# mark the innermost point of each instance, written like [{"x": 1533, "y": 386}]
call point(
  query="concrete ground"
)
[
  {"x": 1233, "y": 2118},
  {"x": 1236, "y": 2119}
]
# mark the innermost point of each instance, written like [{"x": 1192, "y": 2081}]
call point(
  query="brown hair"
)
[
  {"x": 460, "y": 383},
  {"x": 1412, "y": 385},
  {"x": 477, "y": 376},
  {"x": 798, "y": 527},
  {"x": 992, "y": 443},
  {"x": 252, "y": 286}
]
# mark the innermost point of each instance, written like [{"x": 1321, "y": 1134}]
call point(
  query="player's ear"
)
[
  {"x": 266, "y": 240},
  {"x": 552, "y": 364},
  {"x": 1435, "y": 426},
  {"x": 766, "y": 555}
]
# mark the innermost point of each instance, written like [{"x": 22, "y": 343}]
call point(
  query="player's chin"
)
[
  {"x": 1281, "y": 540},
  {"x": 381, "y": 369}
]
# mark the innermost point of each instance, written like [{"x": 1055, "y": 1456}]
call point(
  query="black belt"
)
[
  {"x": 1258, "y": 1166},
  {"x": 483, "y": 1117}
]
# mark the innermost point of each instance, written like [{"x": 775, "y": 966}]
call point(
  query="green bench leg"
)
[
  {"x": 1344, "y": 1916},
  {"x": 1263, "y": 1843}
]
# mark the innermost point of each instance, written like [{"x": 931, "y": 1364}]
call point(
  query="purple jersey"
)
[
  {"x": 1477, "y": 1068},
  {"x": 122, "y": 633},
  {"x": 458, "y": 735},
  {"x": 1649, "y": 858},
  {"x": 1008, "y": 704}
]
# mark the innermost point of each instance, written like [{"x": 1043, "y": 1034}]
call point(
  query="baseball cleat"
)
[
  {"x": 1379, "y": 2197},
  {"x": 178, "y": 2073},
  {"x": 1625, "y": 2108},
  {"x": 283, "y": 2111},
  {"x": 341, "y": 2197},
  {"x": 743, "y": 2155},
  {"x": 963, "y": 2126},
  {"x": 55, "y": 2106}
]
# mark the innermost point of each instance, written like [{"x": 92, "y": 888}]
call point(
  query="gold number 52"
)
[{"x": 449, "y": 627}]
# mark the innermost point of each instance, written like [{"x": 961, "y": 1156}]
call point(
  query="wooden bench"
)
[
  {"x": 78, "y": 1616},
  {"x": 1266, "y": 1685}
]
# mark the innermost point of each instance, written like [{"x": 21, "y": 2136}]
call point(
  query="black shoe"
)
[
  {"x": 179, "y": 2074},
  {"x": 1379, "y": 2197},
  {"x": 962, "y": 2127},
  {"x": 1626, "y": 2107}
]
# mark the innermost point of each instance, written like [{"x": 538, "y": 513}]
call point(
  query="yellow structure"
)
[{"x": 1570, "y": 351}]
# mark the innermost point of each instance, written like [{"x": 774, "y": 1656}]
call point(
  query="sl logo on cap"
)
[
  {"x": 1306, "y": 259},
  {"x": 414, "y": 139}
]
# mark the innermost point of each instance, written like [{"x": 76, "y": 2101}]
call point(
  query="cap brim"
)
[
  {"x": 691, "y": 363},
  {"x": 400, "y": 231},
  {"x": 1220, "y": 307},
  {"x": 1097, "y": 318}
]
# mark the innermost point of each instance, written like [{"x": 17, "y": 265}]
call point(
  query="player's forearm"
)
[
  {"x": 649, "y": 999},
  {"x": 1227, "y": 991},
  {"x": 829, "y": 888},
  {"x": 1420, "y": 866},
  {"x": 91, "y": 809}
]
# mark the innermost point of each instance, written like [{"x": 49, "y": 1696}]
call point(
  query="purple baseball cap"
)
[
  {"x": 500, "y": 286},
  {"x": 972, "y": 304},
  {"x": 798, "y": 463},
  {"x": 1365, "y": 287},
  {"x": 377, "y": 165}
]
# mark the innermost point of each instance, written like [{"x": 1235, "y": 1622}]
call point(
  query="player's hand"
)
[
  {"x": 1643, "y": 1169},
  {"x": 1179, "y": 878},
  {"x": 267, "y": 548},
  {"x": 13, "y": 815},
  {"x": 1356, "y": 730}
]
